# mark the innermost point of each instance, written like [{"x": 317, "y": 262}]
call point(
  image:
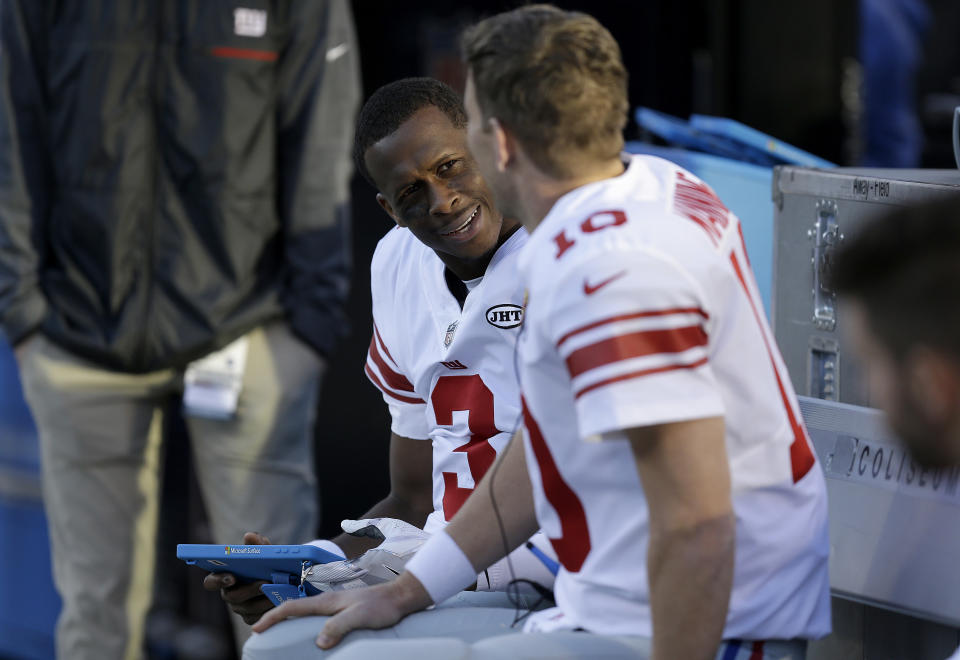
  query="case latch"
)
[
  {"x": 826, "y": 236},
  {"x": 823, "y": 369}
]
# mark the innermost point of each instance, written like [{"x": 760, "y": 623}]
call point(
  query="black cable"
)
[{"x": 514, "y": 594}]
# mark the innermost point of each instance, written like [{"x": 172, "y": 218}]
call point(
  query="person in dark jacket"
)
[{"x": 173, "y": 182}]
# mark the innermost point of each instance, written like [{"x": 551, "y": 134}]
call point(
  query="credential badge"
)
[
  {"x": 451, "y": 330},
  {"x": 249, "y": 22}
]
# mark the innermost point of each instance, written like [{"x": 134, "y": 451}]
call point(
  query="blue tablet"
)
[{"x": 278, "y": 564}]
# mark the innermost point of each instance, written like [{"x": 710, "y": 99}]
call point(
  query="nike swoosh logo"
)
[
  {"x": 337, "y": 51},
  {"x": 392, "y": 570},
  {"x": 590, "y": 290}
]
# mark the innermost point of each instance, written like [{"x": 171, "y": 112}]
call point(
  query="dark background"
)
[{"x": 788, "y": 69}]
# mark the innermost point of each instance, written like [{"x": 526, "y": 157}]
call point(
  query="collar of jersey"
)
[
  {"x": 516, "y": 241},
  {"x": 635, "y": 178}
]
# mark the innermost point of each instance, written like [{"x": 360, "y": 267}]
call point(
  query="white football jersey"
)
[
  {"x": 448, "y": 375},
  {"x": 642, "y": 310}
]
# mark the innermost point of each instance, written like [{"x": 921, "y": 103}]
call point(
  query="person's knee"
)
[
  {"x": 293, "y": 639},
  {"x": 561, "y": 644},
  {"x": 406, "y": 649}
]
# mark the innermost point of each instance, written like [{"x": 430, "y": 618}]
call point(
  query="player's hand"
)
[
  {"x": 400, "y": 541},
  {"x": 244, "y": 598},
  {"x": 370, "y": 607},
  {"x": 381, "y": 529}
]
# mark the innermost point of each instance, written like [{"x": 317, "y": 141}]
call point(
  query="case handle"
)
[{"x": 956, "y": 135}]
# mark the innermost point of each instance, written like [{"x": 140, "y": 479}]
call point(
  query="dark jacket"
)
[{"x": 174, "y": 173}]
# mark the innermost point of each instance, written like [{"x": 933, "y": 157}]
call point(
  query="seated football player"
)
[
  {"x": 666, "y": 458},
  {"x": 447, "y": 308}
]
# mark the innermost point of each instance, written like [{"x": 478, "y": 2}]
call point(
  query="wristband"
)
[
  {"x": 442, "y": 567},
  {"x": 329, "y": 546}
]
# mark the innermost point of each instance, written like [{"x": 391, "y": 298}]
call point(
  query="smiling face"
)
[{"x": 430, "y": 184}]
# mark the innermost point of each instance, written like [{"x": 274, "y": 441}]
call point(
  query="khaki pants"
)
[{"x": 101, "y": 436}]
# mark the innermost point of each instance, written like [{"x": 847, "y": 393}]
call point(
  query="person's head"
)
[
  {"x": 549, "y": 81},
  {"x": 899, "y": 285},
  {"x": 411, "y": 145}
]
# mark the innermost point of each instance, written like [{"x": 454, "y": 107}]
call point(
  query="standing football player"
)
[{"x": 666, "y": 455}]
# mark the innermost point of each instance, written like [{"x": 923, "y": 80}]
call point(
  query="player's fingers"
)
[
  {"x": 242, "y": 593},
  {"x": 360, "y": 615},
  {"x": 366, "y": 528},
  {"x": 217, "y": 581},
  {"x": 257, "y": 606},
  {"x": 252, "y": 610},
  {"x": 339, "y": 625},
  {"x": 255, "y": 538},
  {"x": 322, "y": 604},
  {"x": 334, "y": 630},
  {"x": 270, "y": 618}
]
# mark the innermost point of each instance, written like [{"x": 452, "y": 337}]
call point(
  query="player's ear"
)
[
  {"x": 386, "y": 206},
  {"x": 503, "y": 144}
]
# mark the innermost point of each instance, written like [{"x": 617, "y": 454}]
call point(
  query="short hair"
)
[
  {"x": 904, "y": 268},
  {"x": 556, "y": 79},
  {"x": 393, "y": 104}
]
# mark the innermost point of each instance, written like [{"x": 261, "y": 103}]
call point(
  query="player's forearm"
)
[
  {"x": 690, "y": 574},
  {"x": 391, "y": 506},
  {"x": 500, "y": 513}
]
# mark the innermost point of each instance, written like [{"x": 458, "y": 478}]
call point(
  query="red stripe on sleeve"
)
[
  {"x": 386, "y": 351},
  {"x": 639, "y": 374},
  {"x": 376, "y": 381},
  {"x": 636, "y": 344},
  {"x": 395, "y": 380},
  {"x": 757, "y": 653},
  {"x": 635, "y": 315}
]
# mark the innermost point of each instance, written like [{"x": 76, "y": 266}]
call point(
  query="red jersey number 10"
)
[{"x": 597, "y": 222}]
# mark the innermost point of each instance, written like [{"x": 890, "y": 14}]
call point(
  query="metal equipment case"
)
[
  {"x": 895, "y": 530},
  {"x": 813, "y": 210}
]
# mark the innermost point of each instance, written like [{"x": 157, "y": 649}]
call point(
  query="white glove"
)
[
  {"x": 400, "y": 541},
  {"x": 383, "y": 529}
]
